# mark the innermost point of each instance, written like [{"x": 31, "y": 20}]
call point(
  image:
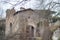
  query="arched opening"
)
[
  {"x": 10, "y": 28},
  {"x": 30, "y": 31}
]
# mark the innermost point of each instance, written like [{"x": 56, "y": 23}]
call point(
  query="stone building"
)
[{"x": 27, "y": 24}]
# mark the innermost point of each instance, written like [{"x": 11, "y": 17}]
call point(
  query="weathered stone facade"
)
[{"x": 27, "y": 23}]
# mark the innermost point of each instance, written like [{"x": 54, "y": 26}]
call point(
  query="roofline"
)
[
  {"x": 31, "y": 10},
  {"x": 22, "y": 11}
]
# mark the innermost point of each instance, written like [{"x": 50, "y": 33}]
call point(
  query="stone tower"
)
[{"x": 9, "y": 20}]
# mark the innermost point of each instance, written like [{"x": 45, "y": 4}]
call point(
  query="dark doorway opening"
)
[
  {"x": 30, "y": 31},
  {"x": 10, "y": 28}
]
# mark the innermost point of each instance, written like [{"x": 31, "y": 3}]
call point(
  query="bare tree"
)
[{"x": 18, "y": 2}]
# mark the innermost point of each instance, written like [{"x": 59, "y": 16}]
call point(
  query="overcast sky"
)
[
  {"x": 29, "y": 4},
  {"x": 34, "y": 4}
]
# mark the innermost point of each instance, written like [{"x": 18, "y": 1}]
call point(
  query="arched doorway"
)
[{"x": 30, "y": 31}]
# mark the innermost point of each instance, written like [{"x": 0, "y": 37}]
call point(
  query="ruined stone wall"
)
[
  {"x": 33, "y": 18},
  {"x": 25, "y": 19},
  {"x": 9, "y": 20}
]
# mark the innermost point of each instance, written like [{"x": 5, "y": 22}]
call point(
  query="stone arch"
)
[
  {"x": 30, "y": 31},
  {"x": 10, "y": 28}
]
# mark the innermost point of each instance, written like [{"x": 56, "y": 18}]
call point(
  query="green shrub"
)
[{"x": 59, "y": 38}]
